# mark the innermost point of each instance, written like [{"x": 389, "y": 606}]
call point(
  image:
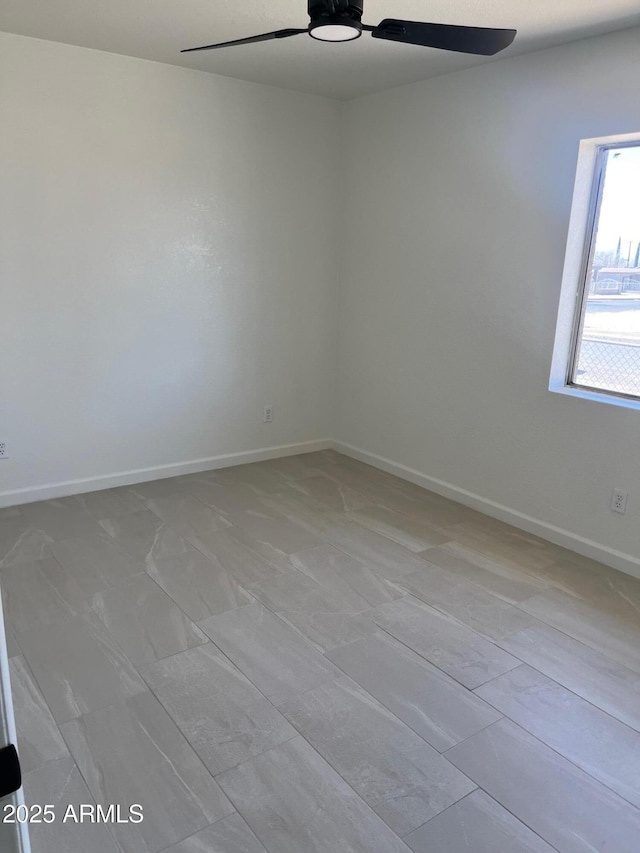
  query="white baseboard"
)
[
  {"x": 160, "y": 472},
  {"x": 587, "y": 547}
]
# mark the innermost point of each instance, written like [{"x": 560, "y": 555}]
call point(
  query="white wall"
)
[
  {"x": 167, "y": 264},
  {"x": 458, "y": 199}
]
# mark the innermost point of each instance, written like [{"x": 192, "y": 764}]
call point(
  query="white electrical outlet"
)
[
  {"x": 4, "y": 450},
  {"x": 268, "y": 414},
  {"x": 619, "y": 501}
]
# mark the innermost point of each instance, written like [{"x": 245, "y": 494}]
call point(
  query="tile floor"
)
[{"x": 308, "y": 655}]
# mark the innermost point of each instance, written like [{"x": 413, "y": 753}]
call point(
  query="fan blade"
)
[
  {"x": 278, "y": 34},
  {"x": 481, "y": 40}
]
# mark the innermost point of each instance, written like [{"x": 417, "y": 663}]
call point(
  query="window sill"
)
[{"x": 597, "y": 396}]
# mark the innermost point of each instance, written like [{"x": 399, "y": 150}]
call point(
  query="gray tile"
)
[
  {"x": 60, "y": 784},
  {"x": 305, "y": 512},
  {"x": 229, "y": 835},
  {"x": 11, "y": 513},
  {"x": 39, "y": 739},
  {"x": 145, "y": 536},
  {"x": 319, "y": 458},
  {"x": 569, "y": 809},
  {"x": 254, "y": 475},
  {"x": 342, "y": 575},
  {"x": 435, "y": 706},
  {"x": 186, "y": 514},
  {"x": 158, "y": 488},
  {"x": 456, "y": 650},
  {"x": 78, "y": 665},
  {"x": 148, "y": 624},
  {"x": 272, "y": 655},
  {"x": 466, "y": 602},
  {"x": 109, "y": 503},
  {"x": 247, "y": 567},
  {"x": 38, "y": 593},
  {"x": 290, "y": 468},
  {"x": 222, "y": 715},
  {"x": 385, "y": 557},
  {"x": 413, "y": 535},
  {"x": 612, "y": 630},
  {"x": 200, "y": 586},
  {"x": 500, "y": 579},
  {"x": 506, "y": 545},
  {"x": 60, "y": 519},
  {"x": 476, "y": 824},
  {"x": 21, "y": 543},
  {"x": 227, "y": 499},
  {"x": 96, "y": 562},
  {"x": 326, "y": 620},
  {"x": 336, "y": 496},
  {"x": 599, "y": 744},
  {"x": 418, "y": 504},
  {"x": 13, "y": 649},
  {"x": 600, "y": 680},
  {"x": 269, "y": 535},
  {"x": 405, "y": 785},
  {"x": 295, "y": 802},
  {"x": 132, "y": 752}
]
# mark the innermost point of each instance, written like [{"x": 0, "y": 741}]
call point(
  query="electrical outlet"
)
[
  {"x": 619, "y": 501},
  {"x": 268, "y": 414},
  {"x": 4, "y": 450}
]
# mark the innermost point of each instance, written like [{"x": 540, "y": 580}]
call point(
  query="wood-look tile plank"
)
[
  {"x": 132, "y": 752},
  {"x": 272, "y": 655},
  {"x": 595, "y": 677},
  {"x": 222, "y": 715},
  {"x": 565, "y": 806},
  {"x": 476, "y": 824},
  {"x": 598, "y": 743},
  {"x": 406, "y": 784},
  {"x": 431, "y": 703},
  {"x": 458, "y": 651},
  {"x": 294, "y": 802}
]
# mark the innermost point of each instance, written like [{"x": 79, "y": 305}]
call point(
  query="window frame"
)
[{"x": 585, "y": 211}]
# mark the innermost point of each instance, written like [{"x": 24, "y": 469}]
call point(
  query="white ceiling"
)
[{"x": 158, "y": 29}]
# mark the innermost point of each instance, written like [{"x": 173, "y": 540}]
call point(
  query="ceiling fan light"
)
[{"x": 335, "y": 32}]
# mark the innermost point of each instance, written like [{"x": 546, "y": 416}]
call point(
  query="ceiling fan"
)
[{"x": 341, "y": 20}]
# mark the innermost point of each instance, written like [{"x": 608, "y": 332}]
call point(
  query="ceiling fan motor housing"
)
[{"x": 335, "y": 13}]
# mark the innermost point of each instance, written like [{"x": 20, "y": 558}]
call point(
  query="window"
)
[{"x": 597, "y": 351}]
